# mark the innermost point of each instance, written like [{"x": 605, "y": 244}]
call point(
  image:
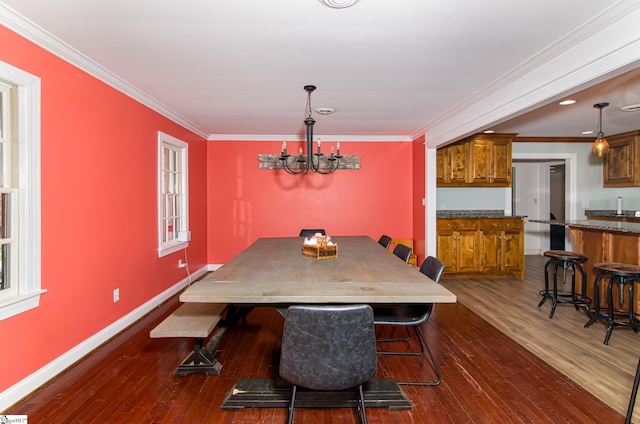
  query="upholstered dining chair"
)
[
  {"x": 403, "y": 252},
  {"x": 384, "y": 241},
  {"x": 413, "y": 316},
  {"x": 308, "y": 232},
  {"x": 328, "y": 348}
]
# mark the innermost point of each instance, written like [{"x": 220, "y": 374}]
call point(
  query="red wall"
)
[
  {"x": 99, "y": 225},
  {"x": 246, "y": 203},
  {"x": 418, "y": 193}
]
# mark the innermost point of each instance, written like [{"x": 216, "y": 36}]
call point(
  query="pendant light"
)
[{"x": 600, "y": 147}]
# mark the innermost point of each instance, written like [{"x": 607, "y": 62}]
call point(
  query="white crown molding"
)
[
  {"x": 347, "y": 138},
  {"x": 36, "y": 34},
  {"x": 607, "y": 45}
]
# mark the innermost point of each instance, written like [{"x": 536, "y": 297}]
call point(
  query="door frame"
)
[{"x": 570, "y": 187}]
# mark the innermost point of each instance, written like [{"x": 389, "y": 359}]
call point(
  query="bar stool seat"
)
[
  {"x": 615, "y": 312},
  {"x": 567, "y": 261}
]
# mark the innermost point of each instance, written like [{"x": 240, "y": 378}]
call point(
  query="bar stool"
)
[
  {"x": 616, "y": 312},
  {"x": 567, "y": 261}
]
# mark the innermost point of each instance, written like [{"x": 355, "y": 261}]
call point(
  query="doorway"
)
[
  {"x": 544, "y": 184},
  {"x": 556, "y": 205}
]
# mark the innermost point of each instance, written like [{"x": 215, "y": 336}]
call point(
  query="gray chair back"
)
[
  {"x": 433, "y": 268},
  {"x": 384, "y": 241},
  {"x": 328, "y": 347},
  {"x": 308, "y": 232},
  {"x": 403, "y": 252}
]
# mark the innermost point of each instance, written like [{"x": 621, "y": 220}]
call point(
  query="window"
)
[
  {"x": 20, "y": 280},
  {"x": 173, "y": 194}
]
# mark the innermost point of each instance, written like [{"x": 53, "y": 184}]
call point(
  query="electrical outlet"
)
[
  {"x": 181, "y": 264},
  {"x": 116, "y": 295}
]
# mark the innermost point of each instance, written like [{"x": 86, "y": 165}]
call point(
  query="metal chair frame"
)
[{"x": 412, "y": 316}]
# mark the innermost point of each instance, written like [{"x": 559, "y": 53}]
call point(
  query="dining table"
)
[{"x": 275, "y": 272}]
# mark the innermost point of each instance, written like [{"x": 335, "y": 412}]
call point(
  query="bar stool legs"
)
[
  {"x": 616, "y": 312},
  {"x": 568, "y": 262},
  {"x": 634, "y": 392}
]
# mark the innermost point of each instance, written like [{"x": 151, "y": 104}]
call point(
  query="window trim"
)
[
  {"x": 174, "y": 245},
  {"x": 29, "y": 203}
]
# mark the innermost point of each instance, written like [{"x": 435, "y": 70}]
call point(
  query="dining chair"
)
[
  {"x": 308, "y": 232},
  {"x": 384, "y": 241},
  {"x": 403, "y": 252},
  {"x": 407, "y": 242},
  {"x": 328, "y": 348},
  {"x": 412, "y": 316}
]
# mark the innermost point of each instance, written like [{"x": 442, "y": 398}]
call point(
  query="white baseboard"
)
[
  {"x": 31, "y": 383},
  {"x": 533, "y": 252}
]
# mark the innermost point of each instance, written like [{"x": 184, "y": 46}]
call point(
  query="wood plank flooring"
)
[
  {"x": 487, "y": 376},
  {"x": 510, "y": 305}
]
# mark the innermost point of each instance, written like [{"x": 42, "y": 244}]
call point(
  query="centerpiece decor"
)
[{"x": 319, "y": 247}]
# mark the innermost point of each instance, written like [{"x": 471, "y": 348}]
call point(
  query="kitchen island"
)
[{"x": 603, "y": 241}]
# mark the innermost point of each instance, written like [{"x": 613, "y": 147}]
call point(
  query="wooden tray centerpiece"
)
[{"x": 319, "y": 247}]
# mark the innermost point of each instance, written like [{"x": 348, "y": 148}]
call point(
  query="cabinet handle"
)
[
  {"x": 501, "y": 226},
  {"x": 452, "y": 226}
]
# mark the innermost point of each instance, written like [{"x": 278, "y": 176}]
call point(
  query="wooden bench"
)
[{"x": 195, "y": 320}]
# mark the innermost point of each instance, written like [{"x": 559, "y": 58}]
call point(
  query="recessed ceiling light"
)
[
  {"x": 567, "y": 102},
  {"x": 489, "y": 131},
  {"x": 630, "y": 108},
  {"x": 587, "y": 132},
  {"x": 325, "y": 110},
  {"x": 339, "y": 4}
]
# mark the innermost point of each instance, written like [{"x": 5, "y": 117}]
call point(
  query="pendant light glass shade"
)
[{"x": 600, "y": 147}]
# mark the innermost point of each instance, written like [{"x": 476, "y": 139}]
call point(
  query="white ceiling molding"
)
[{"x": 346, "y": 138}]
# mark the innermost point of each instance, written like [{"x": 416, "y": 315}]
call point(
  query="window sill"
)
[
  {"x": 173, "y": 248},
  {"x": 19, "y": 304}
]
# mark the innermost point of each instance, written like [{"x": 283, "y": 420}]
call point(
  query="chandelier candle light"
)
[{"x": 303, "y": 163}]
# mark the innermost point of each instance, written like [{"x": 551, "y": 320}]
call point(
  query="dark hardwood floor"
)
[{"x": 487, "y": 378}]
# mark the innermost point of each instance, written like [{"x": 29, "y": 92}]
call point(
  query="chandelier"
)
[
  {"x": 600, "y": 147},
  {"x": 317, "y": 162}
]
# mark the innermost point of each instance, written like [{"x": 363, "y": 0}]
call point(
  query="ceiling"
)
[{"x": 391, "y": 70}]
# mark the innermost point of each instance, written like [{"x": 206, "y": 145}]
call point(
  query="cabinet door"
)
[
  {"x": 441, "y": 176},
  {"x": 446, "y": 250},
  {"x": 456, "y": 163},
  {"x": 621, "y": 164},
  {"x": 481, "y": 161},
  {"x": 491, "y": 251},
  {"x": 501, "y": 173},
  {"x": 467, "y": 251},
  {"x": 513, "y": 253}
]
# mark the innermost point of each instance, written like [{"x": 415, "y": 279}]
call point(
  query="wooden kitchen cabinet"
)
[
  {"x": 621, "y": 167},
  {"x": 502, "y": 247},
  {"x": 490, "y": 160},
  {"x": 481, "y": 246},
  {"x": 483, "y": 160},
  {"x": 452, "y": 164},
  {"x": 457, "y": 244}
]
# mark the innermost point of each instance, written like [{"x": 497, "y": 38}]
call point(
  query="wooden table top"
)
[{"x": 274, "y": 271}]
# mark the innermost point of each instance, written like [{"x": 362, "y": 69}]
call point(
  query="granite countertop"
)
[
  {"x": 611, "y": 226},
  {"x": 610, "y": 213},
  {"x": 475, "y": 213}
]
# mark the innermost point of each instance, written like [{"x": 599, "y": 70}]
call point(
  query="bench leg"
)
[{"x": 201, "y": 360}]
